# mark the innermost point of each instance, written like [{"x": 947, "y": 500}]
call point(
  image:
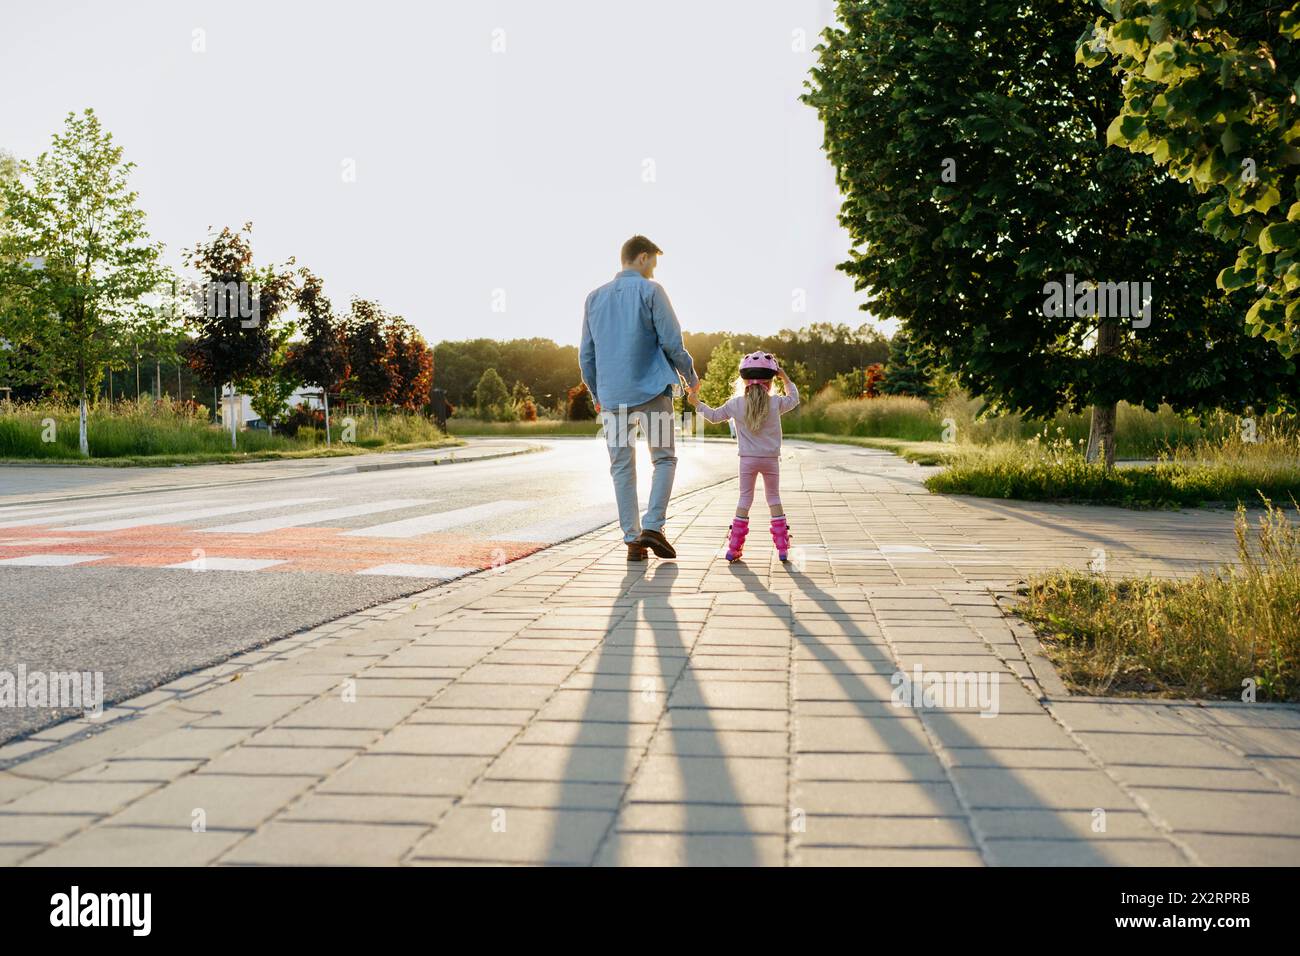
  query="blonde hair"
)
[{"x": 757, "y": 405}]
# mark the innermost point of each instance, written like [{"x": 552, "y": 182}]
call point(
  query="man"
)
[{"x": 632, "y": 355}]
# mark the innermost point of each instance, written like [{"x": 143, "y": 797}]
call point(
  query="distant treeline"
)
[{"x": 549, "y": 370}]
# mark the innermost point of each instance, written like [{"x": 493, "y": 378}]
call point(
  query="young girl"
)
[{"x": 757, "y": 417}]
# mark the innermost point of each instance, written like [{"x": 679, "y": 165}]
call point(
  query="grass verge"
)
[
  {"x": 1230, "y": 472},
  {"x": 1200, "y": 637},
  {"x": 170, "y": 433}
]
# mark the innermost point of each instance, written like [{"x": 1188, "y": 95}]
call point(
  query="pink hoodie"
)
[{"x": 764, "y": 443}]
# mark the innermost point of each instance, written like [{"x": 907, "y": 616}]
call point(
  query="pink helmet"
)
[{"x": 758, "y": 365}]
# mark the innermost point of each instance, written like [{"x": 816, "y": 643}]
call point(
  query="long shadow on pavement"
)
[
  {"x": 856, "y": 690},
  {"x": 610, "y": 725}
]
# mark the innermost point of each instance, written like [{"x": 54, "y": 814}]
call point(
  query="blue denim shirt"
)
[{"x": 631, "y": 342}]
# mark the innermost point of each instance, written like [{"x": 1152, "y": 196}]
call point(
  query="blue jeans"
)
[{"x": 654, "y": 419}]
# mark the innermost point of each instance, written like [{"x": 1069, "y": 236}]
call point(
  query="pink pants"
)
[{"x": 750, "y": 469}]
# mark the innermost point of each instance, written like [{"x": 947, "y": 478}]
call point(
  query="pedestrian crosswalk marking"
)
[
  {"x": 224, "y": 564},
  {"x": 82, "y": 514},
  {"x": 440, "y": 521},
  {"x": 258, "y": 525},
  {"x": 50, "y": 560},
  {"x": 418, "y": 571},
  {"x": 175, "y": 517},
  {"x": 34, "y": 542}
]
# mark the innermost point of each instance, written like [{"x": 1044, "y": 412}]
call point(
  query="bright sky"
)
[{"x": 502, "y": 151}]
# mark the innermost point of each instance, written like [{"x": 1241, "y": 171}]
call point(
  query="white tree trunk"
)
[
  {"x": 325, "y": 393},
  {"x": 82, "y": 441},
  {"x": 233, "y": 426}
]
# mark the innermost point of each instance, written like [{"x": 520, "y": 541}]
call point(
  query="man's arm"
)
[
  {"x": 670, "y": 335},
  {"x": 587, "y": 356}
]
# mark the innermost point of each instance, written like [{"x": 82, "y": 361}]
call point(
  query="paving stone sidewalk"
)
[{"x": 573, "y": 709}]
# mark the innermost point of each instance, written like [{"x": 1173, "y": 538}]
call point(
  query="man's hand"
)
[
  {"x": 693, "y": 393},
  {"x": 597, "y": 404}
]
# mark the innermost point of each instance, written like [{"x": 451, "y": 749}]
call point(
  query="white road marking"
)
[
  {"x": 904, "y": 549},
  {"x": 418, "y": 571},
  {"x": 224, "y": 564},
  {"x": 562, "y": 527},
  {"x": 72, "y": 504},
  {"x": 198, "y": 514},
  {"x": 441, "y": 521},
  {"x": 50, "y": 560},
  {"x": 33, "y": 542},
  {"x": 312, "y": 517},
  {"x": 100, "y": 513}
]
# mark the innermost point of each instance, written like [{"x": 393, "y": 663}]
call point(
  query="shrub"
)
[
  {"x": 580, "y": 406},
  {"x": 1231, "y": 471},
  {"x": 302, "y": 416},
  {"x": 1202, "y": 636},
  {"x": 491, "y": 396}
]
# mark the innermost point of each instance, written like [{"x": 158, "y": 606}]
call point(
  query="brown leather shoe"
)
[
  {"x": 635, "y": 551},
  {"x": 656, "y": 542}
]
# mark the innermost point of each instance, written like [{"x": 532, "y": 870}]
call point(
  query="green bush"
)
[
  {"x": 1229, "y": 471},
  {"x": 1198, "y": 637},
  {"x": 166, "y": 428},
  {"x": 492, "y": 398}
]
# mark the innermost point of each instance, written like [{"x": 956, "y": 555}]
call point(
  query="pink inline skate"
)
[
  {"x": 736, "y": 540},
  {"x": 781, "y": 537}
]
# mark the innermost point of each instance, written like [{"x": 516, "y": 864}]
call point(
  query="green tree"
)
[
  {"x": 966, "y": 202},
  {"x": 719, "y": 381},
  {"x": 19, "y": 344},
  {"x": 269, "y": 393},
  {"x": 238, "y": 314},
  {"x": 909, "y": 370},
  {"x": 461, "y": 364},
  {"x": 412, "y": 365},
  {"x": 491, "y": 396},
  {"x": 320, "y": 359},
  {"x": 370, "y": 354},
  {"x": 1209, "y": 92},
  {"x": 544, "y": 367},
  {"x": 822, "y": 349},
  {"x": 76, "y": 255}
]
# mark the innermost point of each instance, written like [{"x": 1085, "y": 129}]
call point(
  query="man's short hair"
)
[{"x": 637, "y": 245}]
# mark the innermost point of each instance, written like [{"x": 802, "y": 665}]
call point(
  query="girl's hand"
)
[{"x": 693, "y": 395}]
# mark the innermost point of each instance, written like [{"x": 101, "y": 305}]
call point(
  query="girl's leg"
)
[
  {"x": 772, "y": 488},
  {"x": 740, "y": 526},
  {"x": 748, "y": 474},
  {"x": 780, "y": 529}
]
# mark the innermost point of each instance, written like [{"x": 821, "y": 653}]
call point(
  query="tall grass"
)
[
  {"x": 175, "y": 430},
  {"x": 1228, "y": 471},
  {"x": 1198, "y": 637},
  {"x": 1140, "y": 433},
  {"x": 910, "y": 419}
]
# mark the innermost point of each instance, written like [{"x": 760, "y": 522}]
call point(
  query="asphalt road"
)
[{"x": 85, "y": 586}]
